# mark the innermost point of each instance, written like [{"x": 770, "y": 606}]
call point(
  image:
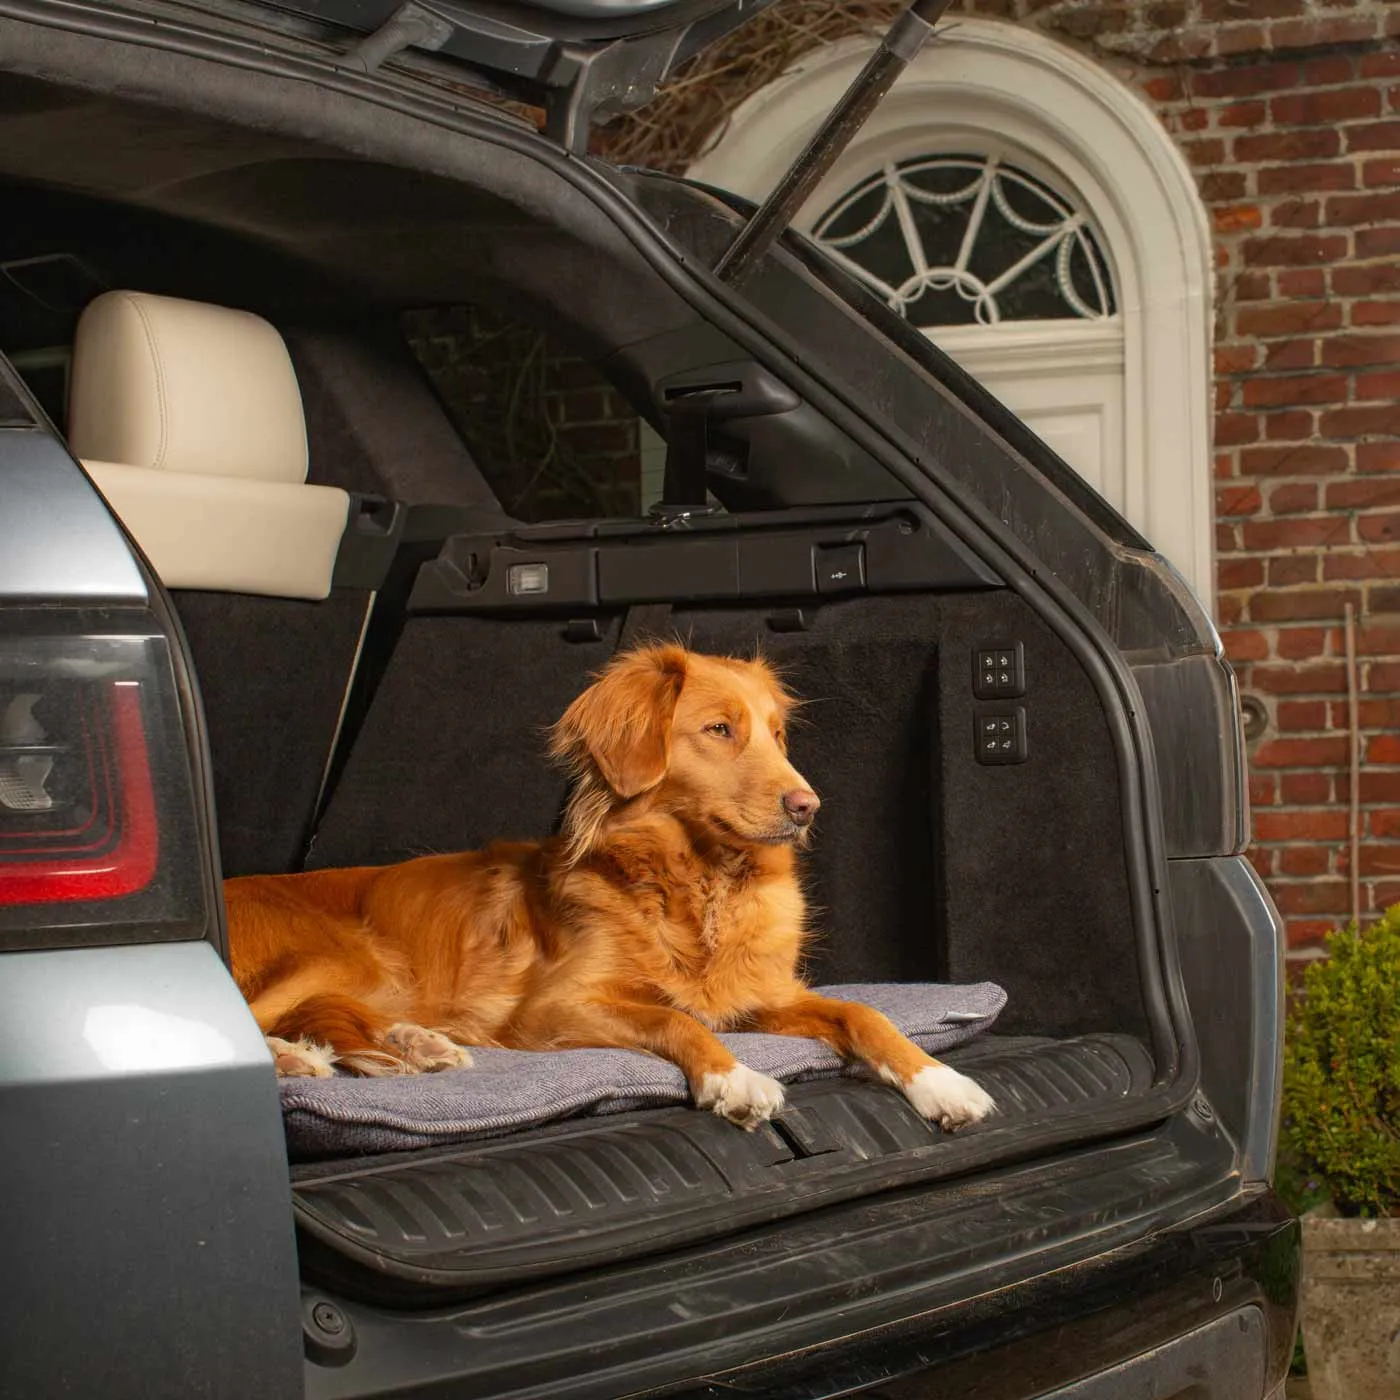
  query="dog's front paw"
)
[
  {"x": 295, "y": 1058},
  {"x": 949, "y": 1098},
  {"x": 424, "y": 1050},
  {"x": 741, "y": 1095}
]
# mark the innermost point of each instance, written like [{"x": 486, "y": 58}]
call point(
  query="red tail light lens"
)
[{"x": 96, "y": 816}]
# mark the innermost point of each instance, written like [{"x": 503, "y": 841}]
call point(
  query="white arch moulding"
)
[{"x": 987, "y": 85}]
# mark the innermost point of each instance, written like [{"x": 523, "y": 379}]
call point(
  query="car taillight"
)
[{"x": 97, "y": 830}]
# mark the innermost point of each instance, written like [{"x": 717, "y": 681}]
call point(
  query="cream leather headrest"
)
[{"x": 180, "y": 386}]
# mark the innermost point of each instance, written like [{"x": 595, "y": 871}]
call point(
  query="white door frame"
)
[{"x": 1049, "y": 107}]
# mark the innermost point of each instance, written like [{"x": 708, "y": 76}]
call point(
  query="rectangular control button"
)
[
  {"x": 999, "y": 736},
  {"x": 840, "y": 568}
]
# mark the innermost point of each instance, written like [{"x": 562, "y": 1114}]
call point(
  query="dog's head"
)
[{"x": 704, "y": 736}]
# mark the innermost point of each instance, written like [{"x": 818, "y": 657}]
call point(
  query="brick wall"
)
[{"x": 1289, "y": 113}]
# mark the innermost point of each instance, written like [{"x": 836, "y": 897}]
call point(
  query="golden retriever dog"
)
[{"x": 667, "y": 909}]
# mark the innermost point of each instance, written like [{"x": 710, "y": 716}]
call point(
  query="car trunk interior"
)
[{"x": 928, "y": 865}]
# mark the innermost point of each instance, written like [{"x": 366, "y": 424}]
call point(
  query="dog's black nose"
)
[{"x": 801, "y": 805}]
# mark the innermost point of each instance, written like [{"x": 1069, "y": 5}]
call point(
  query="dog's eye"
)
[{"x": 720, "y": 730}]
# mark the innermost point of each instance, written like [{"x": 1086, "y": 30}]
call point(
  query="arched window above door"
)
[
  {"x": 1089, "y": 175},
  {"x": 962, "y": 239}
]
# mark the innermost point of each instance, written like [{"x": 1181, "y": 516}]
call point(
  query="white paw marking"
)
[
  {"x": 951, "y": 1099},
  {"x": 425, "y": 1050},
  {"x": 741, "y": 1095},
  {"x": 293, "y": 1058}
]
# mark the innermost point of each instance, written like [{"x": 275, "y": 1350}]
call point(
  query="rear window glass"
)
[{"x": 548, "y": 431}]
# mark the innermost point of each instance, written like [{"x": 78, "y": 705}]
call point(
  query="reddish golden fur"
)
[{"x": 668, "y": 908}]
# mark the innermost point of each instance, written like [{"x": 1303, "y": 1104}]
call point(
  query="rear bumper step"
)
[{"x": 428, "y": 1226}]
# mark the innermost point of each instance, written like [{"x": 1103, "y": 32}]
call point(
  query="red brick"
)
[
  {"x": 1299, "y": 715},
  {"x": 1385, "y": 563},
  {"x": 1296, "y": 213},
  {"x": 1288, "y": 318},
  {"x": 1320, "y": 825},
  {"x": 1384, "y": 748},
  {"x": 1235, "y": 359},
  {"x": 1372, "y": 714},
  {"x": 1298, "y": 179},
  {"x": 1301, "y": 753},
  {"x": 1382, "y": 676},
  {"x": 1378, "y": 529},
  {"x": 1289, "y": 570},
  {"x": 1325, "y": 678},
  {"x": 1304, "y": 533},
  {"x": 1323, "y": 108},
  {"x": 1378, "y": 242},
  {"x": 1224, "y": 466},
  {"x": 1301, "y": 644},
  {"x": 1295, "y": 389},
  {"x": 1380, "y": 65},
  {"x": 1226, "y": 538},
  {"x": 1376, "y": 639},
  {"x": 1241, "y": 573},
  {"x": 1262, "y": 859},
  {"x": 1245, "y": 644},
  {"x": 1305, "y": 788},
  {"x": 1378, "y": 859},
  {"x": 1236, "y": 218},
  {"x": 1323, "y": 32},
  {"x": 1166, "y": 88},
  {"x": 1365, "y": 281},
  {"x": 1372, "y": 208},
  {"x": 1359, "y": 495},
  {"x": 1334, "y": 68},
  {"x": 1378, "y": 457},
  {"x": 1291, "y": 354},
  {"x": 1240, "y": 114},
  {"x": 1298, "y": 250},
  {"x": 1270, "y": 146},
  {"x": 1384, "y": 824},
  {"x": 1222, "y": 184},
  {"x": 1305, "y": 933},
  {"x": 1232, "y": 429},
  {"x": 1299, "y": 605},
  {"x": 1245, "y": 81},
  {"x": 1293, "y": 426},
  {"x": 1211, "y": 151},
  {"x": 1384, "y": 600},
  {"x": 1385, "y": 171},
  {"x": 1385, "y": 894},
  {"x": 1238, "y": 500},
  {"x": 1312, "y": 897},
  {"x": 1295, "y": 498},
  {"x": 1375, "y": 313},
  {"x": 1302, "y": 282},
  {"x": 1376, "y": 136},
  {"x": 1298, "y": 459},
  {"x": 1304, "y": 860},
  {"x": 1350, "y": 351},
  {"x": 1263, "y": 789},
  {"x": 1193, "y": 119},
  {"x": 1380, "y": 786},
  {"x": 1228, "y": 607},
  {"x": 1380, "y": 385},
  {"x": 1377, "y": 420}
]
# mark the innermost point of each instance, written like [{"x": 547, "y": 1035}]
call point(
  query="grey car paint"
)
[
  {"x": 137, "y": 1098},
  {"x": 61, "y": 542}
]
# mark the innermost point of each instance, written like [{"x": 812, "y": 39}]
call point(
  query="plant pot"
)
[{"x": 1351, "y": 1306}]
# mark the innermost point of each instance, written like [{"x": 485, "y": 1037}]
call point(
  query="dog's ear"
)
[{"x": 623, "y": 720}]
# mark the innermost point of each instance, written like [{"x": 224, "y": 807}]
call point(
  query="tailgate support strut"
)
[{"x": 897, "y": 50}]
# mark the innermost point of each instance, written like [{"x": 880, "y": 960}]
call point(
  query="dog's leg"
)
[
  {"x": 717, "y": 1080},
  {"x": 937, "y": 1090}
]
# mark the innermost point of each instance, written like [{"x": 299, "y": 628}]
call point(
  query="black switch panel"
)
[
  {"x": 840, "y": 568},
  {"x": 1000, "y": 735},
  {"x": 999, "y": 671}
]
